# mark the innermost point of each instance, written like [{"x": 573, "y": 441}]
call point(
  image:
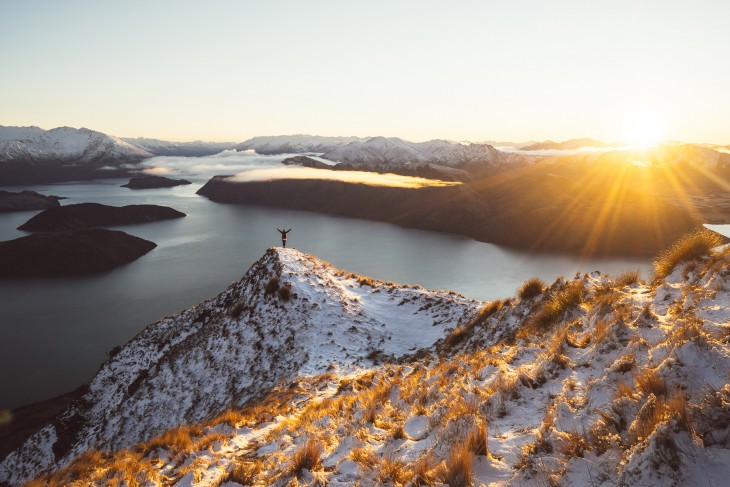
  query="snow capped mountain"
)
[
  {"x": 65, "y": 143},
  {"x": 398, "y": 153},
  {"x": 33, "y": 155},
  {"x": 291, "y": 314},
  {"x": 293, "y": 144},
  {"x": 186, "y": 149}
]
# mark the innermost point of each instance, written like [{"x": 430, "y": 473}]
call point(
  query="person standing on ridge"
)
[{"x": 283, "y": 236}]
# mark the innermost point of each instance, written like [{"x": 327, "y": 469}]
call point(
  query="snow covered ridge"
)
[
  {"x": 293, "y": 144},
  {"x": 592, "y": 381},
  {"x": 290, "y": 315},
  {"x": 65, "y": 143},
  {"x": 382, "y": 150}
]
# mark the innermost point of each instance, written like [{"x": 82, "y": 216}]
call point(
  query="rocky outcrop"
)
[
  {"x": 26, "y": 201},
  {"x": 69, "y": 254},
  {"x": 150, "y": 182},
  {"x": 89, "y": 215}
]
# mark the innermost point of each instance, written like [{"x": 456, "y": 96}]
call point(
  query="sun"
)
[{"x": 644, "y": 129}]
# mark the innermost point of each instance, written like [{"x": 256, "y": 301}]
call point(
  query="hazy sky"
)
[{"x": 481, "y": 70}]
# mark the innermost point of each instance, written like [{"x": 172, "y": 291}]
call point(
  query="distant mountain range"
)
[
  {"x": 187, "y": 149},
  {"x": 32, "y": 155},
  {"x": 571, "y": 144},
  {"x": 293, "y": 144}
]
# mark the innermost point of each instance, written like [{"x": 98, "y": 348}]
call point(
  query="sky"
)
[{"x": 461, "y": 70}]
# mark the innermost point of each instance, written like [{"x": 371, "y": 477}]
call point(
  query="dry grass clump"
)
[
  {"x": 571, "y": 444},
  {"x": 531, "y": 288},
  {"x": 272, "y": 285},
  {"x": 476, "y": 439},
  {"x": 308, "y": 457},
  {"x": 480, "y": 318},
  {"x": 552, "y": 310},
  {"x": 80, "y": 468},
  {"x": 284, "y": 292},
  {"x": 424, "y": 471},
  {"x": 394, "y": 471},
  {"x": 648, "y": 381},
  {"x": 627, "y": 278},
  {"x": 691, "y": 329},
  {"x": 625, "y": 363},
  {"x": 177, "y": 440},
  {"x": 365, "y": 456},
  {"x": 459, "y": 470},
  {"x": 654, "y": 412},
  {"x": 245, "y": 473},
  {"x": 692, "y": 246},
  {"x": 366, "y": 281}
]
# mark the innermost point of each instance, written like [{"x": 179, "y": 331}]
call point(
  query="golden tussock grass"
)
[
  {"x": 392, "y": 470},
  {"x": 627, "y": 278},
  {"x": 459, "y": 468},
  {"x": 571, "y": 444},
  {"x": 623, "y": 390},
  {"x": 531, "y": 288},
  {"x": 308, "y": 456},
  {"x": 693, "y": 246},
  {"x": 553, "y": 308},
  {"x": 424, "y": 471},
  {"x": 246, "y": 472},
  {"x": 648, "y": 381},
  {"x": 365, "y": 456},
  {"x": 654, "y": 412},
  {"x": 176, "y": 440}
]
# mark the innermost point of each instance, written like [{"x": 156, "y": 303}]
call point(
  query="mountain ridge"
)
[{"x": 290, "y": 314}]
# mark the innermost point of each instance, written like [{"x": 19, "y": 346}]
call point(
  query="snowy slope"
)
[
  {"x": 65, "y": 143},
  {"x": 627, "y": 385},
  {"x": 293, "y": 144},
  {"x": 221, "y": 353}
]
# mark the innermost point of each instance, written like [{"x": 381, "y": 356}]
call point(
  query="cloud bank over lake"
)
[{"x": 356, "y": 177}]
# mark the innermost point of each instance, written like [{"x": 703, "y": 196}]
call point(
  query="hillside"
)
[
  {"x": 525, "y": 208},
  {"x": 33, "y": 155},
  {"x": 594, "y": 380},
  {"x": 290, "y": 315}
]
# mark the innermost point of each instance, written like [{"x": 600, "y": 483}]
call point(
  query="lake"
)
[{"x": 56, "y": 332}]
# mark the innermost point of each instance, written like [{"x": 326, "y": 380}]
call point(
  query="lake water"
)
[{"x": 55, "y": 332}]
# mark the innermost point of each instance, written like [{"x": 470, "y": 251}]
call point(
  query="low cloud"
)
[{"x": 357, "y": 177}]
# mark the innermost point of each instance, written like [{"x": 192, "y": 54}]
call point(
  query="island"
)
[
  {"x": 81, "y": 252},
  {"x": 151, "y": 182},
  {"x": 89, "y": 215},
  {"x": 26, "y": 201}
]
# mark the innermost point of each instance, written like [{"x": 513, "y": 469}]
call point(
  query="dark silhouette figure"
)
[{"x": 283, "y": 236}]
